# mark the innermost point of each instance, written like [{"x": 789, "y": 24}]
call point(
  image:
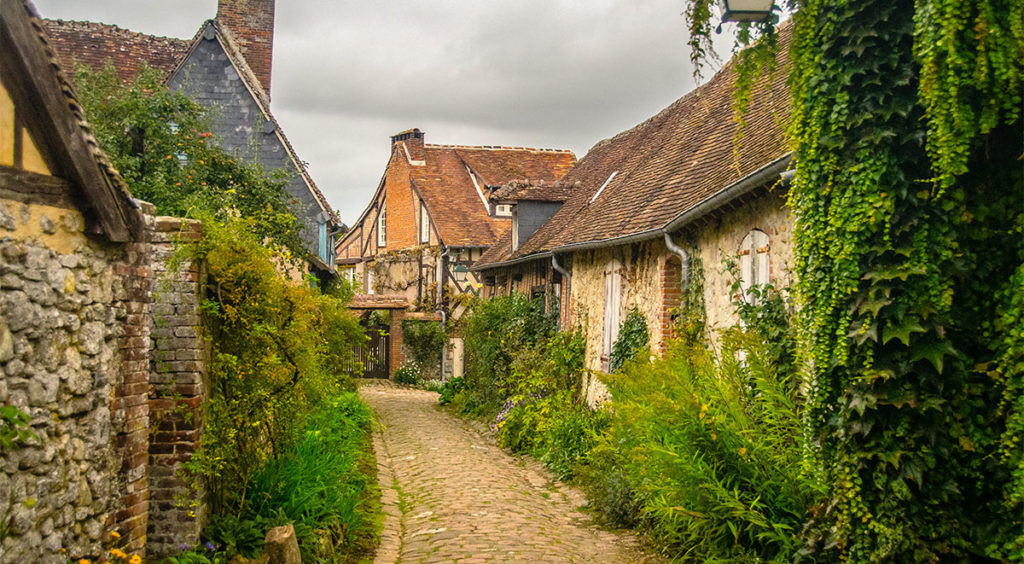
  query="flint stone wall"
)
[{"x": 75, "y": 355}]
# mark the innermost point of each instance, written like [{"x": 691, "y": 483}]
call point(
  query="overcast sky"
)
[{"x": 347, "y": 74}]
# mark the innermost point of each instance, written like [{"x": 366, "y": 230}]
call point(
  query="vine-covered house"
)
[
  {"x": 226, "y": 67},
  {"x": 430, "y": 218},
  {"x": 654, "y": 209}
]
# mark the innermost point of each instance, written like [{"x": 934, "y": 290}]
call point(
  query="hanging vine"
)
[{"x": 909, "y": 246}]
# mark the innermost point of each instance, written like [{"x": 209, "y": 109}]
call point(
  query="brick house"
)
[
  {"x": 650, "y": 201},
  {"x": 226, "y": 66},
  {"x": 430, "y": 218}
]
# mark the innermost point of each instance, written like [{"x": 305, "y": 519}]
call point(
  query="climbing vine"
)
[{"x": 909, "y": 245}]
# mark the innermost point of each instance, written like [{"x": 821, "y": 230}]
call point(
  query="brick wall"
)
[
  {"x": 177, "y": 376},
  {"x": 671, "y": 296},
  {"x": 252, "y": 23},
  {"x": 401, "y": 206}
]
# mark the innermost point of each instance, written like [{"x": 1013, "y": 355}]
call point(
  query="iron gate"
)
[{"x": 374, "y": 354}]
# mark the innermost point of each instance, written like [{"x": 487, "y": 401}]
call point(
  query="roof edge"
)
[{"x": 511, "y": 262}]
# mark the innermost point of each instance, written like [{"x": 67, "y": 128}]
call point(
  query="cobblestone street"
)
[{"x": 451, "y": 495}]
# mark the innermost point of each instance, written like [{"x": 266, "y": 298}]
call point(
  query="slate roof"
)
[
  {"x": 445, "y": 183},
  {"x": 93, "y": 44},
  {"x": 118, "y": 210},
  {"x": 666, "y": 165}
]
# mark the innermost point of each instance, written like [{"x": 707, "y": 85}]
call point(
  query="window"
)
[
  {"x": 325, "y": 251},
  {"x": 503, "y": 210},
  {"x": 612, "y": 305},
  {"x": 754, "y": 266},
  {"x": 382, "y": 227},
  {"x": 424, "y": 223},
  {"x": 515, "y": 229}
]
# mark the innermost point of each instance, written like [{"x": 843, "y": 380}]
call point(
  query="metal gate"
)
[{"x": 374, "y": 354}]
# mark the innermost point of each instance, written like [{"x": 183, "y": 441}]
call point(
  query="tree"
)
[{"x": 159, "y": 141}]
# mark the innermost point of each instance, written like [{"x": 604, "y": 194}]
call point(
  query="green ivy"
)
[
  {"x": 632, "y": 341},
  {"x": 907, "y": 134},
  {"x": 15, "y": 427}
]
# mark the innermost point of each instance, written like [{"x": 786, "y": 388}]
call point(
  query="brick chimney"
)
[
  {"x": 252, "y": 24},
  {"x": 413, "y": 141}
]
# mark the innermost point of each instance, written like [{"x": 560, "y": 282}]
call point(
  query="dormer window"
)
[
  {"x": 503, "y": 210},
  {"x": 382, "y": 227}
]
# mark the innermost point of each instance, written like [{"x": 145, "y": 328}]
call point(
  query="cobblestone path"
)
[{"x": 451, "y": 495}]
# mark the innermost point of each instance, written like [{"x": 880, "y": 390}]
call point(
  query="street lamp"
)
[{"x": 747, "y": 10}]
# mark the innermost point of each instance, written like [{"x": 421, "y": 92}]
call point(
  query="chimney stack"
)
[
  {"x": 413, "y": 141},
  {"x": 252, "y": 24}
]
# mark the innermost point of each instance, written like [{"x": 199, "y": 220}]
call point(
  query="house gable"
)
[{"x": 45, "y": 136}]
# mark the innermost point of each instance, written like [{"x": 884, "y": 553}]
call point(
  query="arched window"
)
[{"x": 755, "y": 268}]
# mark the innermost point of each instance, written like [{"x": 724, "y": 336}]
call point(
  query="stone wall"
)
[
  {"x": 721, "y": 240},
  {"x": 75, "y": 355}
]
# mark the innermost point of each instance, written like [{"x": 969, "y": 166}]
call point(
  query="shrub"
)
[
  {"x": 496, "y": 331},
  {"x": 450, "y": 389},
  {"x": 408, "y": 374},
  {"x": 425, "y": 341},
  {"x": 706, "y": 454},
  {"x": 569, "y": 439}
]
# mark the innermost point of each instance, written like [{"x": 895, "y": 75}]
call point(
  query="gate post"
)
[{"x": 395, "y": 356}]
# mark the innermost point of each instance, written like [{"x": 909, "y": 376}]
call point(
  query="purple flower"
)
[{"x": 210, "y": 546}]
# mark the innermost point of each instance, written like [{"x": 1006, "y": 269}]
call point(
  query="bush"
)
[
  {"x": 408, "y": 374},
  {"x": 706, "y": 454},
  {"x": 425, "y": 341},
  {"x": 496, "y": 331},
  {"x": 450, "y": 389},
  {"x": 569, "y": 439}
]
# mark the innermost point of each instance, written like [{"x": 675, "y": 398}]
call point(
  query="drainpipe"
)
[
  {"x": 684, "y": 258},
  {"x": 565, "y": 287},
  {"x": 444, "y": 315}
]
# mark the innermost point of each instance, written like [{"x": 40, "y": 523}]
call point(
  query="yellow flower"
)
[
  {"x": 743, "y": 452},
  {"x": 85, "y": 561},
  {"x": 118, "y": 553},
  {"x": 115, "y": 534},
  {"x": 135, "y": 559}
]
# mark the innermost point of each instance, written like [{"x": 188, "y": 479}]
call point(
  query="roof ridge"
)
[
  {"x": 495, "y": 148},
  {"x": 88, "y": 23}
]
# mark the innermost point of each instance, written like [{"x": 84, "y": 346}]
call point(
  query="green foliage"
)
[
  {"x": 450, "y": 389},
  {"x": 425, "y": 341},
  {"x": 408, "y": 374},
  {"x": 569, "y": 438},
  {"x": 632, "y": 341},
  {"x": 705, "y": 454},
  {"x": 545, "y": 380},
  {"x": 496, "y": 331},
  {"x": 159, "y": 141},
  {"x": 15, "y": 427},
  {"x": 275, "y": 348},
  {"x": 906, "y": 126}
]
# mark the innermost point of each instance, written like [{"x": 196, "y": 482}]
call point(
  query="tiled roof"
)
[
  {"x": 667, "y": 164},
  {"x": 93, "y": 44},
  {"x": 118, "y": 193},
  {"x": 525, "y": 191},
  {"x": 447, "y": 186}
]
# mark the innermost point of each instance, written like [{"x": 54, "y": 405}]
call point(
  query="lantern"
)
[{"x": 746, "y": 10}]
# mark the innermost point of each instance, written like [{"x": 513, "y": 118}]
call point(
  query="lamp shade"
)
[{"x": 746, "y": 10}]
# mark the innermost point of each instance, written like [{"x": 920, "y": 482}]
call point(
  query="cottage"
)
[
  {"x": 225, "y": 66},
  {"x": 430, "y": 218},
  {"x": 677, "y": 191}
]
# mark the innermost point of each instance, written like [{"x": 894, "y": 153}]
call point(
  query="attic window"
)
[
  {"x": 503, "y": 210},
  {"x": 603, "y": 186}
]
